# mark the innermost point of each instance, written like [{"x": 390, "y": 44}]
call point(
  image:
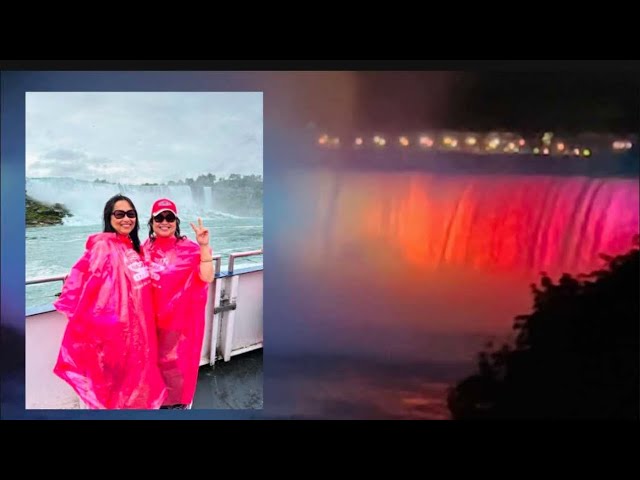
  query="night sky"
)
[{"x": 524, "y": 101}]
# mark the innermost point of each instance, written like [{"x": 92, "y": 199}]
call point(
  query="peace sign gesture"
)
[{"x": 202, "y": 234}]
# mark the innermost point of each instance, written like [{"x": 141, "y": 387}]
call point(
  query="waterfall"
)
[{"x": 86, "y": 200}]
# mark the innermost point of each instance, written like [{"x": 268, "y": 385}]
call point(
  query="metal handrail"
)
[
  {"x": 233, "y": 257},
  {"x": 216, "y": 258},
  {"x": 58, "y": 278}
]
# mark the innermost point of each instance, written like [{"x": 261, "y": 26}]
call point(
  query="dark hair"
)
[
  {"x": 108, "y": 228},
  {"x": 152, "y": 236}
]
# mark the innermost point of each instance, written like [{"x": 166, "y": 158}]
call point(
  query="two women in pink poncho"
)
[{"x": 136, "y": 313}]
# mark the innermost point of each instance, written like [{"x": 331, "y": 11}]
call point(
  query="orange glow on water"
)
[
  {"x": 454, "y": 253},
  {"x": 420, "y": 270}
]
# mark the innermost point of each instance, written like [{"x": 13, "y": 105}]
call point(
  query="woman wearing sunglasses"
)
[
  {"x": 109, "y": 350},
  {"x": 181, "y": 271}
]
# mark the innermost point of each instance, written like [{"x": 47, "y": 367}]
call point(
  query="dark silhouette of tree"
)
[{"x": 575, "y": 356}]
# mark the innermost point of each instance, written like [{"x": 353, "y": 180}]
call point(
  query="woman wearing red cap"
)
[
  {"x": 109, "y": 350},
  {"x": 180, "y": 272}
]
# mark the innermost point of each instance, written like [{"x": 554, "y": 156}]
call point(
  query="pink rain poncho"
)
[
  {"x": 180, "y": 297},
  {"x": 109, "y": 350}
]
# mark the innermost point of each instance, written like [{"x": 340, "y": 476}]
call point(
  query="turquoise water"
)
[{"x": 52, "y": 250}]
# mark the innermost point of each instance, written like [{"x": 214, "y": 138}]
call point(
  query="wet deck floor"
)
[{"x": 236, "y": 384}]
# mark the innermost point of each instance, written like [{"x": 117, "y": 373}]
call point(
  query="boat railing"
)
[
  {"x": 232, "y": 326},
  {"x": 233, "y": 317},
  {"x": 57, "y": 278},
  {"x": 217, "y": 259}
]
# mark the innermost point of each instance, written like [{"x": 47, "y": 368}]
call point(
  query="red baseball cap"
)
[{"x": 162, "y": 205}]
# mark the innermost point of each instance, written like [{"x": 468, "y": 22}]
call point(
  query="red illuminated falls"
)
[{"x": 491, "y": 223}]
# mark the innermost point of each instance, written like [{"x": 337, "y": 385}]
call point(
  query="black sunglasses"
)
[
  {"x": 161, "y": 217},
  {"x": 121, "y": 213}
]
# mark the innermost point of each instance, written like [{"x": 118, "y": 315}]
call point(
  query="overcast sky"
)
[{"x": 131, "y": 137}]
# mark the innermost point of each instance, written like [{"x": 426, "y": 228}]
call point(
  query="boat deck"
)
[{"x": 236, "y": 384}]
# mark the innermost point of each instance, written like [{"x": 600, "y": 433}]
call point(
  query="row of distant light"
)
[
  {"x": 621, "y": 145},
  {"x": 493, "y": 144},
  {"x": 576, "y": 151}
]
